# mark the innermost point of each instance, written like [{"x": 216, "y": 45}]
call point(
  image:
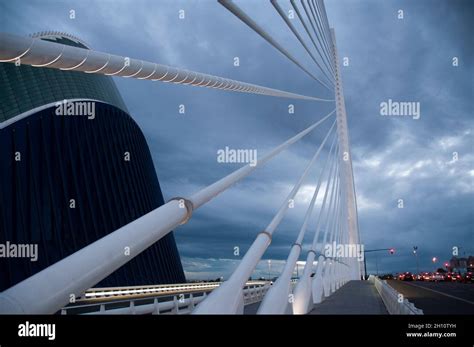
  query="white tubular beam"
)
[
  {"x": 345, "y": 161},
  {"x": 302, "y": 291},
  {"x": 326, "y": 32},
  {"x": 318, "y": 24},
  {"x": 318, "y": 37},
  {"x": 303, "y": 300},
  {"x": 342, "y": 264},
  {"x": 259, "y": 30},
  {"x": 298, "y": 13},
  {"x": 334, "y": 261},
  {"x": 337, "y": 264},
  {"x": 344, "y": 239},
  {"x": 330, "y": 231},
  {"x": 226, "y": 298},
  {"x": 325, "y": 18},
  {"x": 284, "y": 207},
  {"x": 300, "y": 39},
  {"x": 331, "y": 183},
  {"x": 317, "y": 283},
  {"x": 208, "y": 193},
  {"x": 276, "y": 301},
  {"x": 332, "y": 213},
  {"x": 50, "y": 289},
  {"x": 41, "y": 53},
  {"x": 339, "y": 240}
]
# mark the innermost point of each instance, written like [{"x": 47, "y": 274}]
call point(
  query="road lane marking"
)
[{"x": 438, "y": 292}]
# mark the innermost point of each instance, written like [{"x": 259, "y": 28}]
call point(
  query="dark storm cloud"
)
[{"x": 405, "y": 60}]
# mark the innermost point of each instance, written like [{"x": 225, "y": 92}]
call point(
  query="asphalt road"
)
[{"x": 438, "y": 298}]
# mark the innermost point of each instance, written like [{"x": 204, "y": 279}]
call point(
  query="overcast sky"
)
[{"x": 407, "y": 59}]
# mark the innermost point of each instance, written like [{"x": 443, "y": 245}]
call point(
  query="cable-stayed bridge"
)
[{"x": 338, "y": 275}]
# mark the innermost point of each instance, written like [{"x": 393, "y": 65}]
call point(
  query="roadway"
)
[{"x": 438, "y": 298}]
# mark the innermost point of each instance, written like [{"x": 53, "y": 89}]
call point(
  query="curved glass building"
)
[{"x": 74, "y": 167}]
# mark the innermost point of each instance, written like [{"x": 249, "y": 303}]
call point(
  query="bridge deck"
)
[{"x": 356, "y": 297}]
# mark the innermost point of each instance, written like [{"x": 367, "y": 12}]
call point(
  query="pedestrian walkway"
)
[{"x": 355, "y": 297}]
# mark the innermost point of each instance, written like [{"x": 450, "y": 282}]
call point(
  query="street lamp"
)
[
  {"x": 391, "y": 251},
  {"x": 434, "y": 259}
]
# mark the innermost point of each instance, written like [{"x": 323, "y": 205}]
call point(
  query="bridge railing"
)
[
  {"x": 393, "y": 300},
  {"x": 158, "y": 303},
  {"x": 144, "y": 291}
]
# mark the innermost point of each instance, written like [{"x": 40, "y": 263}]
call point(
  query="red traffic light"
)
[{"x": 391, "y": 250}]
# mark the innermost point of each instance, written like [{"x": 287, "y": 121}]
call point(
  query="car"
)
[
  {"x": 406, "y": 276},
  {"x": 424, "y": 276},
  {"x": 437, "y": 277},
  {"x": 453, "y": 277},
  {"x": 467, "y": 277}
]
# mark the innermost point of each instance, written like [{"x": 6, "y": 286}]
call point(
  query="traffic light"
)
[{"x": 391, "y": 250}]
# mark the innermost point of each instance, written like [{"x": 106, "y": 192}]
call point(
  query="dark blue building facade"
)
[{"x": 68, "y": 180}]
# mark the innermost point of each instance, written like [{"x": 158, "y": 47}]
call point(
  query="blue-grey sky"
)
[{"x": 407, "y": 59}]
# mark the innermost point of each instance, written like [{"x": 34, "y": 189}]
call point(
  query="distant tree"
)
[{"x": 441, "y": 270}]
